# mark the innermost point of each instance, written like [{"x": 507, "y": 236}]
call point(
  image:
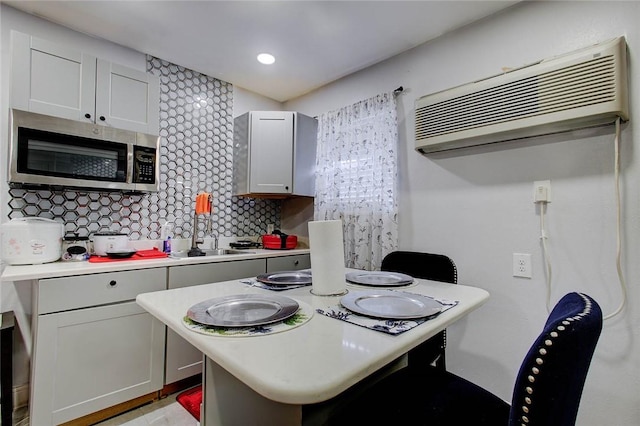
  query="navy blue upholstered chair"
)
[
  {"x": 547, "y": 391},
  {"x": 428, "y": 266}
]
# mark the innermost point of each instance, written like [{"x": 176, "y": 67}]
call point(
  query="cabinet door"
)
[
  {"x": 271, "y": 152},
  {"x": 90, "y": 359},
  {"x": 127, "y": 98},
  {"x": 289, "y": 263},
  {"x": 183, "y": 359},
  {"x": 50, "y": 79}
]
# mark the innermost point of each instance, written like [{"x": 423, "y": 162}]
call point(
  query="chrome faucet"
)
[
  {"x": 195, "y": 250},
  {"x": 202, "y": 206},
  {"x": 215, "y": 240}
]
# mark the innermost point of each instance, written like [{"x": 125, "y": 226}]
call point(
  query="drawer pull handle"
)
[
  {"x": 296, "y": 262},
  {"x": 113, "y": 283}
]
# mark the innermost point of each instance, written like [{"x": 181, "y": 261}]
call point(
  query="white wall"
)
[
  {"x": 245, "y": 101},
  {"x": 477, "y": 205}
]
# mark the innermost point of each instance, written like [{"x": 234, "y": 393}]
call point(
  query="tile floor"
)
[{"x": 165, "y": 412}]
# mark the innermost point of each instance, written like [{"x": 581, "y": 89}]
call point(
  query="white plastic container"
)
[
  {"x": 31, "y": 241},
  {"x": 106, "y": 242}
]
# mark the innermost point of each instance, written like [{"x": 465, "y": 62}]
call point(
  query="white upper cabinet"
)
[
  {"x": 127, "y": 98},
  {"x": 51, "y": 79},
  {"x": 274, "y": 154},
  {"x": 271, "y": 150}
]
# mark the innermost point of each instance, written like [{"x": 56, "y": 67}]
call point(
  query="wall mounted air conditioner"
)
[{"x": 581, "y": 89}]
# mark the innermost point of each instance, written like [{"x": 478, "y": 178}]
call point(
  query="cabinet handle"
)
[
  {"x": 102, "y": 118},
  {"x": 113, "y": 283},
  {"x": 87, "y": 115},
  {"x": 296, "y": 262}
]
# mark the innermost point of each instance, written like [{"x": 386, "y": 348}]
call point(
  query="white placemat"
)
[{"x": 389, "y": 326}]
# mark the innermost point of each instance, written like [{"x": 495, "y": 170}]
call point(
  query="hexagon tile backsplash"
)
[{"x": 196, "y": 154}]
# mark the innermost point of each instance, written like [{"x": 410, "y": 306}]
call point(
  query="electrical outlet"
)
[
  {"x": 542, "y": 191},
  {"x": 522, "y": 265}
]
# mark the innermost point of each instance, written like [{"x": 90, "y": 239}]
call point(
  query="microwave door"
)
[
  {"x": 67, "y": 160},
  {"x": 72, "y": 161}
]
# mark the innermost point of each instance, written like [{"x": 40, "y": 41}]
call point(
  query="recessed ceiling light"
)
[{"x": 266, "y": 58}]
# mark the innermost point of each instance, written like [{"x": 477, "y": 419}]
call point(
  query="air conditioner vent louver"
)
[{"x": 582, "y": 89}]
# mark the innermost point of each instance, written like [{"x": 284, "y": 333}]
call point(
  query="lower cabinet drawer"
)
[
  {"x": 188, "y": 275},
  {"x": 60, "y": 294},
  {"x": 289, "y": 263}
]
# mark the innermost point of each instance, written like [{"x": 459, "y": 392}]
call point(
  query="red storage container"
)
[{"x": 279, "y": 241}]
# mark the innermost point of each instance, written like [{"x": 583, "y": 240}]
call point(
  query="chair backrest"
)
[
  {"x": 549, "y": 384},
  {"x": 428, "y": 266}
]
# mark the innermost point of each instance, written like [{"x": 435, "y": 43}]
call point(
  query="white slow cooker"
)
[
  {"x": 106, "y": 242},
  {"x": 31, "y": 240}
]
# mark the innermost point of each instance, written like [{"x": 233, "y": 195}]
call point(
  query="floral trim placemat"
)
[
  {"x": 256, "y": 283},
  {"x": 303, "y": 315},
  {"x": 389, "y": 326}
]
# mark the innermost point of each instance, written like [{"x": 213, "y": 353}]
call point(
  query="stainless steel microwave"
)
[{"x": 59, "y": 153}]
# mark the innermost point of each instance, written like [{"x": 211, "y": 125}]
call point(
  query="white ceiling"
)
[{"x": 314, "y": 42}]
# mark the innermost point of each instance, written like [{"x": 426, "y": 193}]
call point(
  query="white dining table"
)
[{"x": 278, "y": 378}]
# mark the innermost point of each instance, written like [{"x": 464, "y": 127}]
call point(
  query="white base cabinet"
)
[
  {"x": 183, "y": 359},
  {"x": 94, "y": 346}
]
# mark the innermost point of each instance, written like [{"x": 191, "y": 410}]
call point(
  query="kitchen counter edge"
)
[{"x": 66, "y": 269}]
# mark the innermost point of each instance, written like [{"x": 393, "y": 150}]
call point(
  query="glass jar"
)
[{"x": 75, "y": 248}]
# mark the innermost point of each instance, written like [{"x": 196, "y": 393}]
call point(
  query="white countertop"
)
[
  {"x": 315, "y": 361},
  {"x": 63, "y": 269}
]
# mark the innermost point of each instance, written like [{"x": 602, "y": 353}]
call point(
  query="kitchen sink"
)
[{"x": 210, "y": 252}]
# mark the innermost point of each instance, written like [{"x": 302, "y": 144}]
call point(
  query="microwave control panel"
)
[{"x": 144, "y": 164}]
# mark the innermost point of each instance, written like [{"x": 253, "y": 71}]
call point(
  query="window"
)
[{"x": 357, "y": 175}]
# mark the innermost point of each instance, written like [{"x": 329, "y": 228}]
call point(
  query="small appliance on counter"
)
[
  {"x": 31, "y": 241},
  {"x": 106, "y": 242},
  {"x": 117, "y": 255},
  {"x": 244, "y": 244},
  {"x": 278, "y": 240},
  {"x": 75, "y": 248},
  {"x": 54, "y": 151}
]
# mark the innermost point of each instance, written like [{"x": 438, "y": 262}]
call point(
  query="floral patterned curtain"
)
[{"x": 356, "y": 178}]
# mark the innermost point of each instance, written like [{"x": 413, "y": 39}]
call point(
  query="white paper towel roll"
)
[{"x": 327, "y": 258}]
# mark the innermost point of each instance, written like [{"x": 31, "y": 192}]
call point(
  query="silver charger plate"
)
[
  {"x": 390, "y": 304},
  {"x": 379, "y": 278},
  {"x": 285, "y": 278},
  {"x": 243, "y": 310}
]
